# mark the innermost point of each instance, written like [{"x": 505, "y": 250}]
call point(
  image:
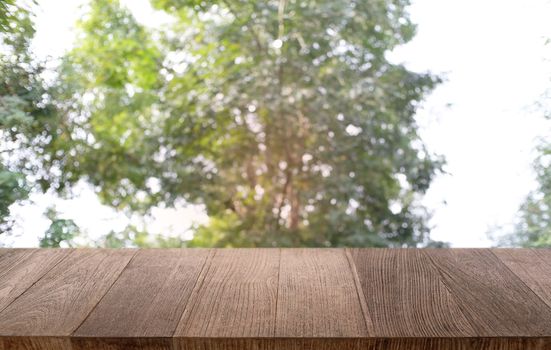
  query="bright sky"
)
[{"x": 481, "y": 118}]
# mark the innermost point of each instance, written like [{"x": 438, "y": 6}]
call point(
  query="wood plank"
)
[
  {"x": 533, "y": 267},
  {"x": 494, "y": 300},
  {"x": 235, "y": 296},
  {"x": 134, "y": 343},
  {"x": 149, "y": 297},
  {"x": 20, "y": 268},
  {"x": 405, "y": 296},
  {"x": 53, "y": 343},
  {"x": 272, "y": 299},
  {"x": 455, "y": 343},
  {"x": 390, "y": 343},
  {"x": 36, "y": 343},
  {"x": 269, "y": 344},
  {"x": 60, "y": 301},
  {"x": 318, "y": 296}
]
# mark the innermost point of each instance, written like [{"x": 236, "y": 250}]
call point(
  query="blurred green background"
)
[{"x": 285, "y": 121}]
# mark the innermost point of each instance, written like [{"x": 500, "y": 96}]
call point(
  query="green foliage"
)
[
  {"x": 107, "y": 89},
  {"x": 12, "y": 189},
  {"x": 25, "y": 114},
  {"x": 533, "y": 223},
  {"x": 16, "y": 26},
  {"x": 284, "y": 118},
  {"x": 61, "y": 232},
  {"x": 132, "y": 236}
]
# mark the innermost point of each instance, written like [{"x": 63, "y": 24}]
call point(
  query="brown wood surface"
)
[
  {"x": 121, "y": 343},
  {"x": 235, "y": 296},
  {"x": 20, "y": 268},
  {"x": 58, "y": 302},
  {"x": 406, "y": 296},
  {"x": 532, "y": 266},
  {"x": 271, "y": 299},
  {"x": 494, "y": 300},
  {"x": 36, "y": 343},
  {"x": 149, "y": 297},
  {"x": 329, "y": 306}
]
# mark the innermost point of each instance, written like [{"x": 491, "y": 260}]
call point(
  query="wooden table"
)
[{"x": 266, "y": 299}]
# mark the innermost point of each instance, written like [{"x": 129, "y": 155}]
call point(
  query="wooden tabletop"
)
[{"x": 212, "y": 299}]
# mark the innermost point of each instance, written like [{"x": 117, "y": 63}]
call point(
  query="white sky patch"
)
[
  {"x": 146, "y": 14},
  {"x": 55, "y": 24},
  {"x": 353, "y": 130},
  {"x": 395, "y": 207},
  {"x": 479, "y": 118},
  {"x": 85, "y": 209},
  {"x": 495, "y": 71},
  {"x": 277, "y": 44}
]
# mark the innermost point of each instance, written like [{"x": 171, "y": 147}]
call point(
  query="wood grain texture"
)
[
  {"x": 81, "y": 343},
  {"x": 329, "y": 306},
  {"x": 474, "y": 343},
  {"x": 20, "y": 268},
  {"x": 235, "y": 296},
  {"x": 134, "y": 343},
  {"x": 494, "y": 300},
  {"x": 58, "y": 303},
  {"x": 267, "y": 344},
  {"x": 275, "y": 299},
  {"x": 389, "y": 343},
  {"x": 405, "y": 296},
  {"x": 36, "y": 343},
  {"x": 532, "y": 266},
  {"x": 155, "y": 288}
]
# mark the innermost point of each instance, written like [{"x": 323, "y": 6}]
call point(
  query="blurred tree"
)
[
  {"x": 61, "y": 232},
  {"x": 283, "y": 117},
  {"x": 532, "y": 226},
  {"x": 26, "y": 114},
  {"x": 132, "y": 236}
]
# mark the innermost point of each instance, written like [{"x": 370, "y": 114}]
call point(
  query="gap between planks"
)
[
  {"x": 522, "y": 280},
  {"x": 106, "y": 292},
  {"x": 359, "y": 292},
  {"x": 46, "y": 271}
]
